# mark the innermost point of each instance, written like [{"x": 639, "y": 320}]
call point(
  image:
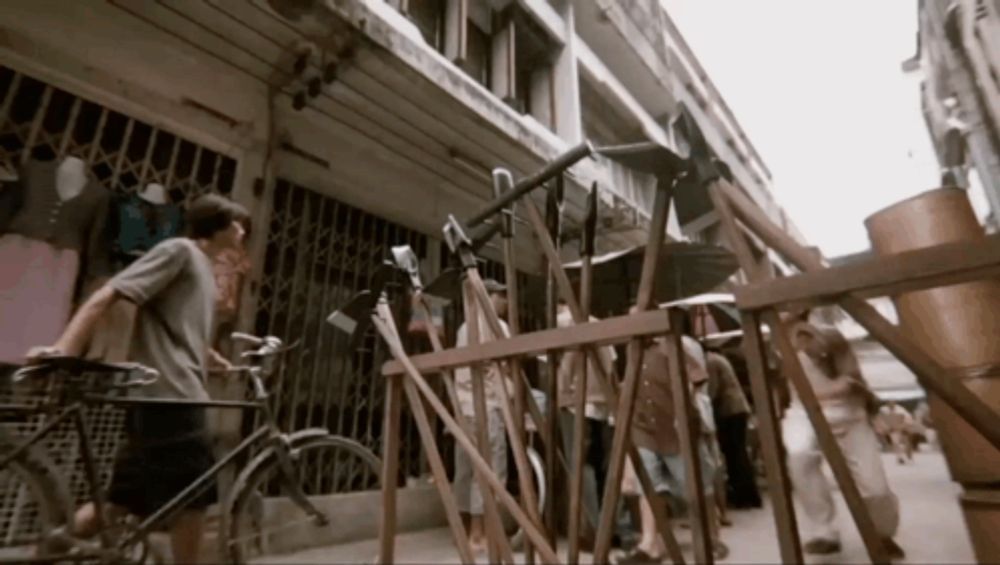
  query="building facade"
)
[
  {"x": 959, "y": 57},
  {"x": 349, "y": 126}
]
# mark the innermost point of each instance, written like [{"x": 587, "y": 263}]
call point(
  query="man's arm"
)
[{"x": 79, "y": 330}]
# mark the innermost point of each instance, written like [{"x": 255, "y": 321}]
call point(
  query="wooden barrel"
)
[
  {"x": 958, "y": 325},
  {"x": 982, "y": 517}
]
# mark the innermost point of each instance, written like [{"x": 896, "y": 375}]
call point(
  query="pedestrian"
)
[
  {"x": 848, "y": 404},
  {"x": 899, "y": 424},
  {"x": 468, "y": 496},
  {"x": 732, "y": 413},
  {"x": 167, "y": 447},
  {"x": 654, "y": 432},
  {"x": 597, "y": 430}
]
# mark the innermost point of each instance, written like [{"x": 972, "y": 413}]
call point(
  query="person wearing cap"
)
[
  {"x": 848, "y": 404},
  {"x": 468, "y": 496},
  {"x": 597, "y": 429}
]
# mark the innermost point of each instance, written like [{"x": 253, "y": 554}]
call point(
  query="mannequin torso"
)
[
  {"x": 71, "y": 177},
  {"x": 154, "y": 193}
]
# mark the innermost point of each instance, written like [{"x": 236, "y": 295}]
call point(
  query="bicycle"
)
[{"x": 45, "y": 536}]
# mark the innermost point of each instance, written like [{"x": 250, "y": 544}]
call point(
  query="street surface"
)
[{"x": 932, "y": 529}]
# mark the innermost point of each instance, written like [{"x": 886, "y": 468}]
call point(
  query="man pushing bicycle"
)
[{"x": 167, "y": 446}]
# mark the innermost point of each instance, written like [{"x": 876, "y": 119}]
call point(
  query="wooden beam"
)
[
  {"x": 908, "y": 271},
  {"x": 463, "y": 442},
  {"x": 603, "y": 332},
  {"x": 796, "y": 373},
  {"x": 780, "y": 486}
]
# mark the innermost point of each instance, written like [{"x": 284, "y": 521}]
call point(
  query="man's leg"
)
[
  {"x": 650, "y": 545},
  {"x": 740, "y": 472},
  {"x": 810, "y": 486},
  {"x": 498, "y": 447},
  {"x": 465, "y": 489},
  {"x": 863, "y": 452}
]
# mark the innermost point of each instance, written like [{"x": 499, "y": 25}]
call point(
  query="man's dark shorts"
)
[{"x": 167, "y": 448}]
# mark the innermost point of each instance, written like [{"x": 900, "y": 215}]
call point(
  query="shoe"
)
[
  {"x": 725, "y": 522},
  {"x": 821, "y": 546},
  {"x": 893, "y": 549},
  {"x": 637, "y": 556}
]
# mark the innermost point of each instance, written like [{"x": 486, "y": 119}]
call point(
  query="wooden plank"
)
[
  {"x": 604, "y": 332},
  {"x": 491, "y": 515},
  {"x": 940, "y": 265},
  {"x": 390, "y": 468},
  {"x": 928, "y": 371},
  {"x": 688, "y": 428},
  {"x": 827, "y": 441},
  {"x": 463, "y": 442},
  {"x": 430, "y": 446},
  {"x": 626, "y": 400},
  {"x": 517, "y": 444},
  {"x": 719, "y": 191},
  {"x": 779, "y": 486}
]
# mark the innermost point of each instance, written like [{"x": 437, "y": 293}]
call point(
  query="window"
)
[
  {"x": 534, "y": 53},
  {"x": 479, "y": 44},
  {"x": 429, "y": 17}
]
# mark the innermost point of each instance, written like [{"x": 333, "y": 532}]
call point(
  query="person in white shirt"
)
[
  {"x": 597, "y": 429},
  {"x": 467, "y": 494},
  {"x": 847, "y": 403}
]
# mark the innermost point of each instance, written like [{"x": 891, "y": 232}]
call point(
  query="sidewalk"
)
[{"x": 932, "y": 529}]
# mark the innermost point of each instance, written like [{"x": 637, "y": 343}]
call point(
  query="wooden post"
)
[
  {"x": 794, "y": 371},
  {"x": 770, "y": 438},
  {"x": 626, "y": 401},
  {"x": 390, "y": 468},
  {"x": 517, "y": 445},
  {"x": 688, "y": 428},
  {"x": 491, "y": 516},
  {"x": 579, "y": 368},
  {"x": 463, "y": 442},
  {"x": 430, "y": 446},
  {"x": 534, "y": 217}
]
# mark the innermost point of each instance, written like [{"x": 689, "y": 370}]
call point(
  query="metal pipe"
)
[{"x": 529, "y": 183}]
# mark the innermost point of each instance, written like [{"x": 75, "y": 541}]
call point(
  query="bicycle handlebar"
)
[{"x": 266, "y": 346}]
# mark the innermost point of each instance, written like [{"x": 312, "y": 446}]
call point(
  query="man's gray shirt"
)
[{"x": 174, "y": 286}]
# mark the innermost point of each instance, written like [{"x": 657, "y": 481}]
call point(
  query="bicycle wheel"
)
[
  {"x": 33, "y": 502},
  {"x": 261, "y": 519},
  {"x": 538, "y": 477}
]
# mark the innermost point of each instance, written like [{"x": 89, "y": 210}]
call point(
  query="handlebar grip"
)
[{"x": 245, "y": 337}]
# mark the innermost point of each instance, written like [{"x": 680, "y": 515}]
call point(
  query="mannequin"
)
[
  {"x": 71, "y": 177},
  {"x": 154, "y": 193},
  {"x": 50, "y": 249}
]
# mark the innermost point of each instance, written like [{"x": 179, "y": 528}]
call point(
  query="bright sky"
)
[{"x": 818, "y": 87}]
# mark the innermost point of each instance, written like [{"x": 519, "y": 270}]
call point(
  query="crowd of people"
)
[
  {"x": 174, "y": 290},
  {"x": 724, "y": 419}
]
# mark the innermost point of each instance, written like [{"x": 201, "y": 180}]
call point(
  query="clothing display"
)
[
  {"x": 230, "y": 268},
  {"x": 137, "y": 226},
  {"x": 49, "y": 248},
  {"x": 11, "y": 200}
]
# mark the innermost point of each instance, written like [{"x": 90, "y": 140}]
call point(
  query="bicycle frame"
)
[{"x": 269, "y": 433}]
